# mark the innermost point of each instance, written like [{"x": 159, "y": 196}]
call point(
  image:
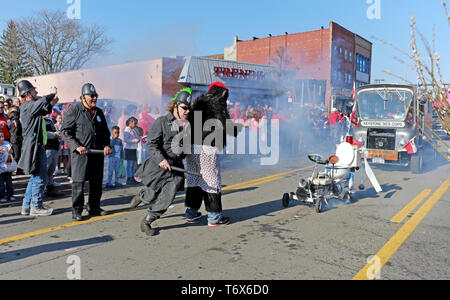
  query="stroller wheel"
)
[
  {"x": 320, "y": 205},
  {"x": 285, "y": 200},
  {"x": 347, "y": 198}
]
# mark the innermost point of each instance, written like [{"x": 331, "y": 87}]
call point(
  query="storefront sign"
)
[{"x": 239, "y": 73}]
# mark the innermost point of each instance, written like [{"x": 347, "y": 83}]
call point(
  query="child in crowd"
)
[
  {"x": 16, "y": 138},
  {"x": 5, "y": 175},
  {"x": 131, "y": 139},
  {"x": 114, "y": 158}
]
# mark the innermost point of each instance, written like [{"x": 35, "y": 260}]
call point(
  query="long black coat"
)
[
  {"x": 31, "y": 113},
  {"x": 82, "y": 128},
  {"x": 160, "y": 143}
]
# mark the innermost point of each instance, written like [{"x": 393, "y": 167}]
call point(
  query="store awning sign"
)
[{"x": 235, "y": 73}]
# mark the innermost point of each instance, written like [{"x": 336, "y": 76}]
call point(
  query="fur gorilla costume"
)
[{"x": 205, "y": 148}]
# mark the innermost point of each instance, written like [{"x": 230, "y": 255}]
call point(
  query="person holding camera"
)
[{"x": 33, "y": 160}]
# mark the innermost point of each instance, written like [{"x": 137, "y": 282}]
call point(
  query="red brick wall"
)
[
  {"x": 311, "y": 55},
  {"x": 342, "y": 38},
  {"x": 309, "y": 52}
]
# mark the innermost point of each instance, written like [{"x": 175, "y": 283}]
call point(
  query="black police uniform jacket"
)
[
  {"x": 31, "y": 114},
  {"x": 80, "y": 127},
  {"x": 162, "y": 146}
]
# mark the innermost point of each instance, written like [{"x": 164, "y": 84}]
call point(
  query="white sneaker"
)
[
  {"x": 44, "y": 211},
  {"x": 12, "y": 199},
  {"x": 25, "y": 211},
  {"x": 3, "y": 200}
]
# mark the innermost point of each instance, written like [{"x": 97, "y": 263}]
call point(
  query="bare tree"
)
[{"x": 55, "y": 43}]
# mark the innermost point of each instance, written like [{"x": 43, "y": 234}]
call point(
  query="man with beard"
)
[
  {"x": 85, "y": 128},
  {"x": 161, "y": 182},
  {"x": 33, "y": 160}
]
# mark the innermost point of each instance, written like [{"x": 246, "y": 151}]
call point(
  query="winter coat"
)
[
  {"x": 160, "y": 140},
  {"x": 31, "y": 114},
  {"x": 82, "y": 128}
]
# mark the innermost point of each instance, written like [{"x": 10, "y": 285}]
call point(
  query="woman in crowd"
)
[{"x": 131, "y": 140}]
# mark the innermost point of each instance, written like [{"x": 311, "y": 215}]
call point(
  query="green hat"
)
[{"x": 183, "y": 96}]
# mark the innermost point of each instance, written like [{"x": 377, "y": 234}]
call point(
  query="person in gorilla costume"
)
[{"x": 207, "y": 142}]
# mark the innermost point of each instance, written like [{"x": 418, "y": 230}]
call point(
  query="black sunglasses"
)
[{"x": 184, "y": 107}]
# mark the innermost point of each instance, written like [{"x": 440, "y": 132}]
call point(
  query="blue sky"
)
[{"x": 148, "y": 29}]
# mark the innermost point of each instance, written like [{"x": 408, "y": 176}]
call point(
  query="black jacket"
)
[
  {"x": 82, "y": 128},
  {"x": 160, "y": 140},
  {"x": 32, "y": 113},
  {"x": 52, "y": 136},
  {"x": 16, "y": 131}
]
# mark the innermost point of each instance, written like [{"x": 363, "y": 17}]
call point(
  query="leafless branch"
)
[{"x": 55, "y": 43}]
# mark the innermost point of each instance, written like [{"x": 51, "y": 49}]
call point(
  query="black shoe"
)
[
  {"x": 50, "y": 192},
  {"x": 53, "y": 194},
  {"x": 97, "y": 213},
  {"x": 135, "y": 201},
  {"x": 195, "y": 218},
  {"x": 147, "y": 228},
  {"x": 223, "y": 221},
  {"x": 77, "y": 216}
]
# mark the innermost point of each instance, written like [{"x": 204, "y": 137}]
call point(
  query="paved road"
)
[{"x": 264, "y": 240}]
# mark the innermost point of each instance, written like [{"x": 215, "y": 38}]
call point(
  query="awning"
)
[{"x": 201, "y": 71}]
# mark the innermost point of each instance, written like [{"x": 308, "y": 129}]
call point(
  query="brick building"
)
[{"x": 322, "y": 65}]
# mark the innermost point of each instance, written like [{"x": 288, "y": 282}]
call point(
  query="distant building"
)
[
  {"x": 152, "y": 82},
  {"x": 324, "y": 64}
]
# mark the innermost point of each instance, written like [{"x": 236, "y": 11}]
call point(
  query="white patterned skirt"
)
[{"x": 206, "y": 161}]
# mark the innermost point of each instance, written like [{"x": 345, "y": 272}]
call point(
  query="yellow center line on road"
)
[
  {"x": 398, "y": 218},
  {"x": 375, "y": 265},
  {"x": 238, "y": 186},
  {"x": 263, "y": 179}
]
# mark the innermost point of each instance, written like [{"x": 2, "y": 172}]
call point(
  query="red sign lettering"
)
[{"x": 239, "y": 73}]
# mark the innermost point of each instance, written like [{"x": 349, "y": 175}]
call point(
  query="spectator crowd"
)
[{"x": 301, "y": 130}]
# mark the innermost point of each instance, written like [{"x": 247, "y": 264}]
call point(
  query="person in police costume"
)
[{"x": 84, "y": 128}]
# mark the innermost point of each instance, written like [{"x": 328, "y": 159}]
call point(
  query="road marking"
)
[
  {"x": 391, "y": 247},
  {"x": 263, "y": 179},
  {"x": 398, "y": 218},
  {"x": 59, "y": 227},
  {"x": 73, "y": 224}
]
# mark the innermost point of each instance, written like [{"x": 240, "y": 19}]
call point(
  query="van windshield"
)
[{"x": 391, "y": 104}]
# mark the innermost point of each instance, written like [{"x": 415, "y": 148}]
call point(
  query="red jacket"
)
[
  {"x": 145, "y": 121},
  {"x": 4, "y": 121},
  {"x": 334, "y": 118}
]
